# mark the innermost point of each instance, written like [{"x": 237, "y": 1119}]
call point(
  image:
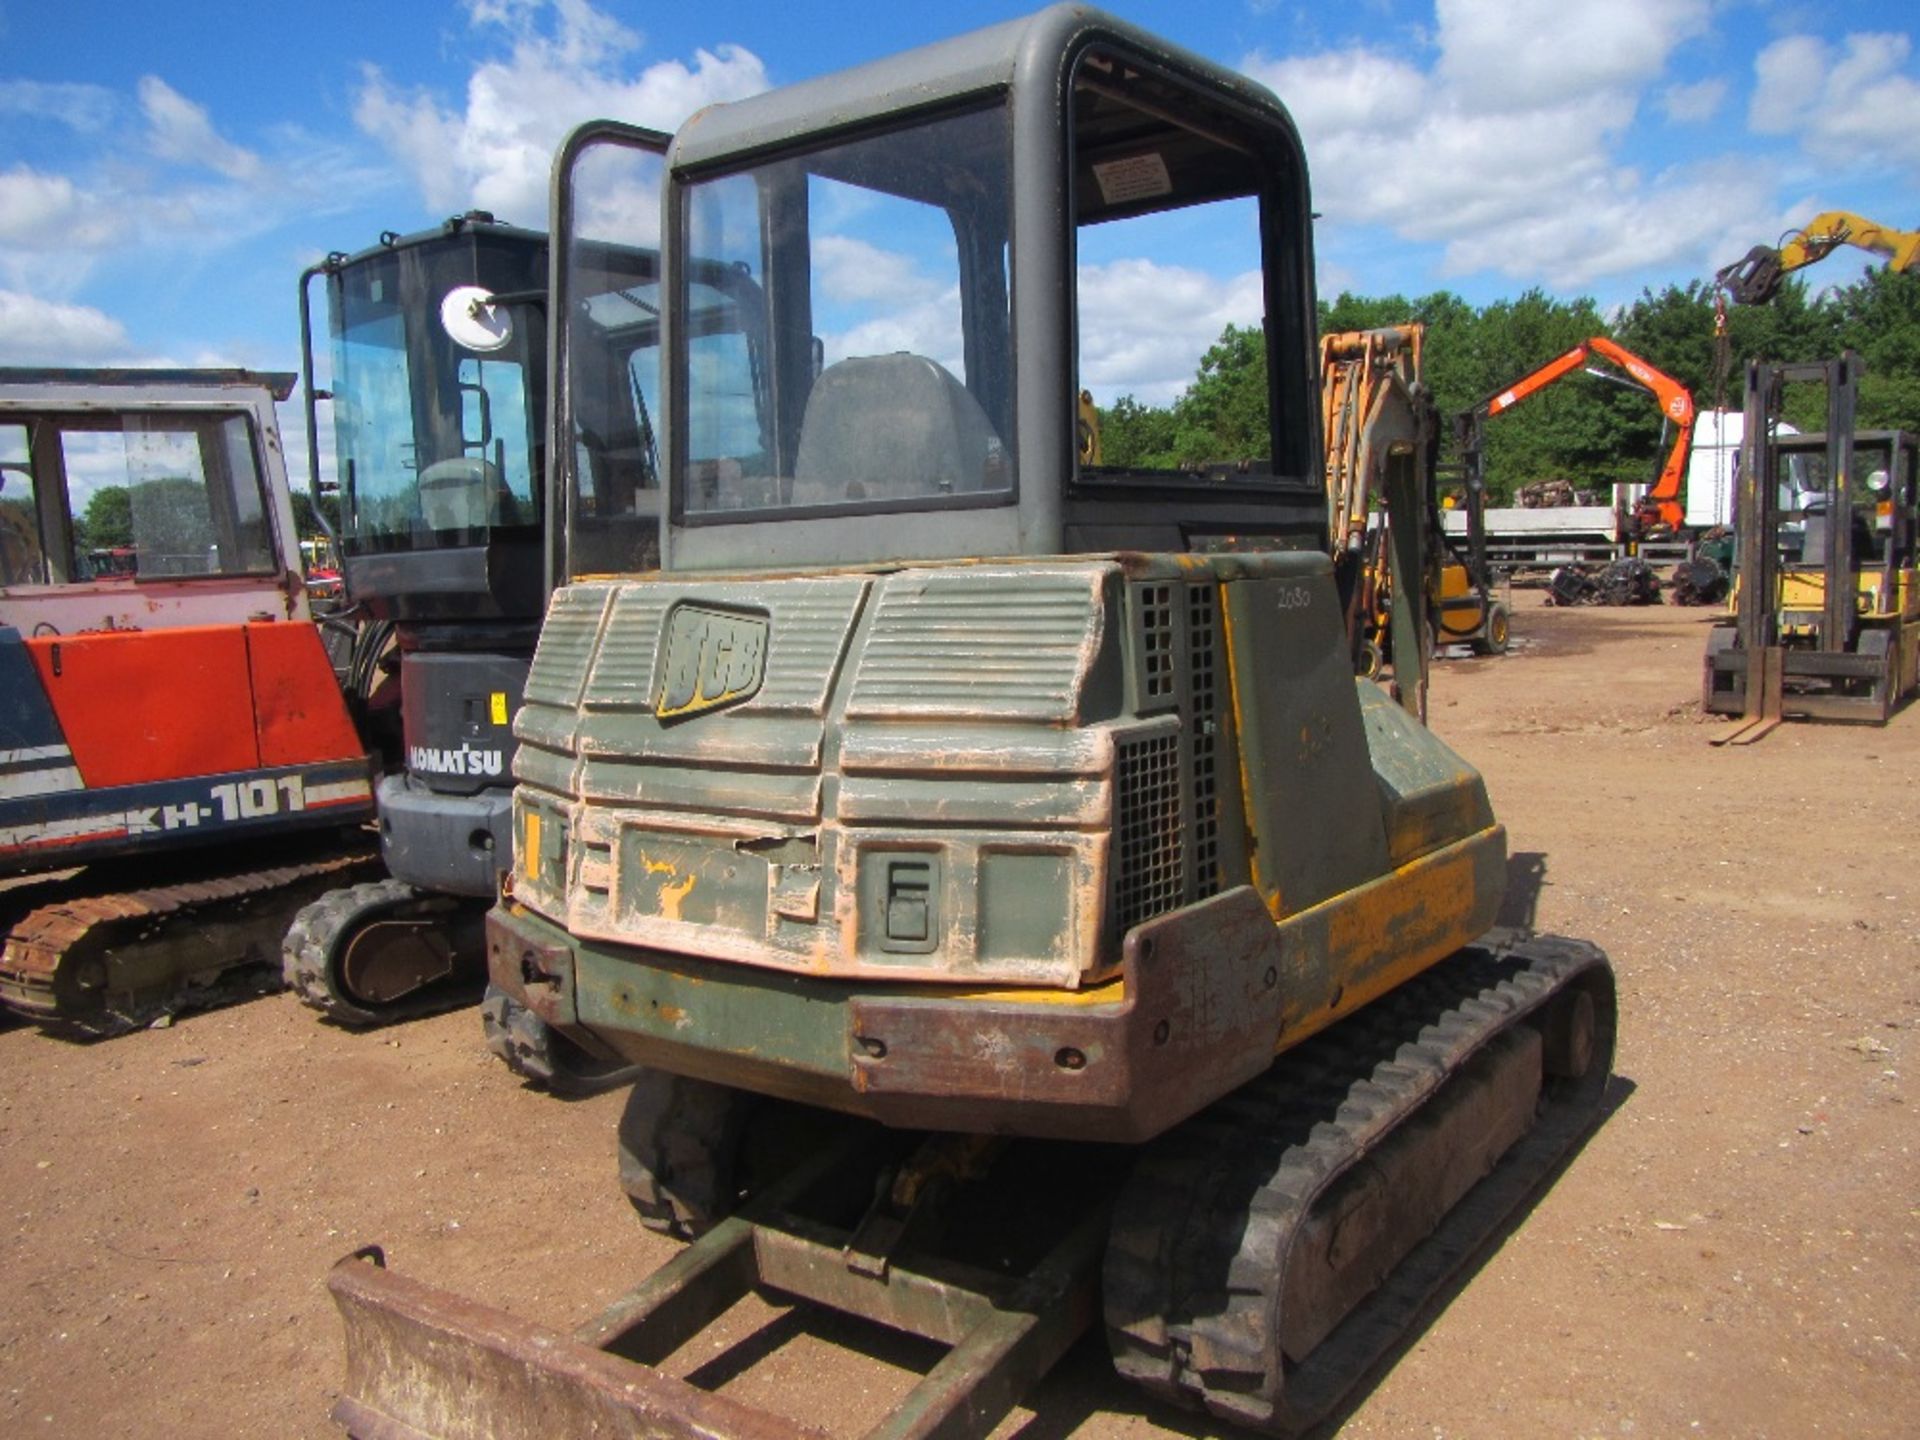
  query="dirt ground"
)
[{"x": 1736, "y": 1252}]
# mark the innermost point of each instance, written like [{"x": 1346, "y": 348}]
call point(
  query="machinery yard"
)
[
  {"x": 988, "y": 916},
  {"x": 1735, "y": 1251}
]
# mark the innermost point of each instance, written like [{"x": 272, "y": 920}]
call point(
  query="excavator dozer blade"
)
[{"x": 426, "y": 1364}]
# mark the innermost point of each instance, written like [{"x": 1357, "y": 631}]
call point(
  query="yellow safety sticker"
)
[
  {"x": 530, "y": 856},
  {"x": 497, "y": 704}
]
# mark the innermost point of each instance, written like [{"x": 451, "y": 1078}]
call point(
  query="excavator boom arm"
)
[{"x": 1755, "y": 278}]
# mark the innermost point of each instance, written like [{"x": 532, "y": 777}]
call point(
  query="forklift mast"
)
[{"x": 1825, "y": 613}]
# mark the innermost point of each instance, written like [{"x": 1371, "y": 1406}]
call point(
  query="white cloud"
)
[
  {"x": 1618, "y": 227},
  {"x": 84, "y": 108},
  {"x": 566, "y": 64},
  {"x": 929, "y": 327},
  {"x": 180, "y": 131},
  {"x": 116, "y": 206},
  {"x": 1851, "y": 105},
  {"x": 34, "y": 208},
  {"x": 34, "y": 331},
  {"x": 1788, "y": 75},
  {"x": 1144, "y": 325},
  {"x": 1507, "y": 151},
  {"x": 51, "y": 232},
  {"x": 847, "y": 269},
  {"x": 1525, "y": 55},
  {"x": 875, "y": 301},
  {"x": 1693, "y": 104}
]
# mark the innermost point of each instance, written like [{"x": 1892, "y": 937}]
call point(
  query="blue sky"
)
[{"x": 164, "y": 180}]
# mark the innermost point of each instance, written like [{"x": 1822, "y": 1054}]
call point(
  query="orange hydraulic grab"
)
[{"x": 1662, "y": 504}]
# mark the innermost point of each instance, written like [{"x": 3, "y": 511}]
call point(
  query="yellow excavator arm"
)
[{"x": 1755, "y": 279}]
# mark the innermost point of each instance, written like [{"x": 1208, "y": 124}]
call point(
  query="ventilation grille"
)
[
  {"x": 1156, "y": 640},
  {"x": 1167, "y": 850},
  {"x": 1202, "y": 724},
  {"x": 979, "y": 644},
  {"x": 1149, "y": 874}
]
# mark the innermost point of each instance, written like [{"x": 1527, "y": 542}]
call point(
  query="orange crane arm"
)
[
  {"x": 1535, "y": 380},
  {"x": 1662, "y": 501}
]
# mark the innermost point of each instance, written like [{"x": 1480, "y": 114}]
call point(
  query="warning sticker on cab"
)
[{"x": 1139, "y": 177}]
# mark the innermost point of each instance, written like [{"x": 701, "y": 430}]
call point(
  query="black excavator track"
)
[
  {"x": 382, "y": 952},
  {"x": 542, "y": 1056},
  {"x": 115, "y": 948},
  {"x": 1265, "y": 1254}
]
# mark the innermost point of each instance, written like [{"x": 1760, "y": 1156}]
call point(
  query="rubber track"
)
[
  {"x": 680, "y": 1150},
  {"x": 541, "y": 1055},
  {"x": 45, "y": 938},
  {"x": 318, "y": 930},
  {"x": 1201, "y": 1234}
]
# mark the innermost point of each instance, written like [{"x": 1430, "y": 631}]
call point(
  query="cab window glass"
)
[
  {"x": 22, "y": 559},
  {"x": 161, "y": 495}
]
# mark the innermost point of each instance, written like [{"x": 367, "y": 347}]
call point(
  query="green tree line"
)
[{"x": 1581, "y": 429}]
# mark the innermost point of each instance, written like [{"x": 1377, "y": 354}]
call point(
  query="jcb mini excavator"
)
[
  {"x": 169, "y": 721},
  {"x": 1022, "y": 811}
]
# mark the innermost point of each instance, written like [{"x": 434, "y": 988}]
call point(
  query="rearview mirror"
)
[{"x": 475, "y": 320}]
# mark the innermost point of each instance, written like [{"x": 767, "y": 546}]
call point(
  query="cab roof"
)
[{"x": 1032, "y": 57}]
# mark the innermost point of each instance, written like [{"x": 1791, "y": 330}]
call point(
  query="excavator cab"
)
[
  {"x": 166, "y": 704},
  {"x": 849, "y": 384},
  {"x": 437, "y": 391}
]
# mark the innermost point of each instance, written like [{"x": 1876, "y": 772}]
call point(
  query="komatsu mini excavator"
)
[
  {"x": 169, "y": 721},
  {"x": 437, "y": 385},
  {"x": 1024, "y": 812}
]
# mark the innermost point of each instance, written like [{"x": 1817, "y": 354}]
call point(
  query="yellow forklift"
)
[{"x": 1824, "y": 621}]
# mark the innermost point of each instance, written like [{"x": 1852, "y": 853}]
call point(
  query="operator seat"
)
[
  {"x": 893, "y": 427},
  {"x": 466, "y": 494},
  {"x": 1813, "y": 539}
]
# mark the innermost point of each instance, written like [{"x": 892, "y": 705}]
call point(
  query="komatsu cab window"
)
[
  {"x": 880, "y": 264},
  {"x": 166, "y": 493},
  {"x": 436, "y": 444}
]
